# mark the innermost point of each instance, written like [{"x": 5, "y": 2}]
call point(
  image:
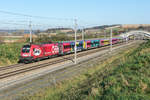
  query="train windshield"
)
[{"x": 26, "y": 49}]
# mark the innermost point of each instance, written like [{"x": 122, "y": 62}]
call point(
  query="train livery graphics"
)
[
  {"x": 34, "y": 52},
  {"x": 55, "y": 49}
]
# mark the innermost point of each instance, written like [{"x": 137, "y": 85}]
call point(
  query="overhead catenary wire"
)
[
  {"x": 26, "y": 23},
  {"x": 34, "y": 16},
  {"x": 36, "y": 24},
  {"x": 47, "y": 18}
]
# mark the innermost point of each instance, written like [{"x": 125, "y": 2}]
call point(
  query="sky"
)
[{"x": 87, "y": 12}]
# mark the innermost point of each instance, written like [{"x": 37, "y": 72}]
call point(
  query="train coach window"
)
[
  {"x": 80, "y": 45},
  {"x": 66, "y": 47},
  {"x": 96, "y": 42},
  {"x": 88, "y": 43}
]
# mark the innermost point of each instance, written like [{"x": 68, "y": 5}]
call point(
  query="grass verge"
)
[{"x": 9, "y": 53}]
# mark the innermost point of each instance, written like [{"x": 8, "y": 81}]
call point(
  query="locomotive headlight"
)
[{"x": 25, "y": 55}]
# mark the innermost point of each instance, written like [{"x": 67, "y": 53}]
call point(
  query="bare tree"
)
[{"x": 1, "y": 39}]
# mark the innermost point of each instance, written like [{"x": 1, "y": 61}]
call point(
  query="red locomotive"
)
[{"x": 35, "y": 52}]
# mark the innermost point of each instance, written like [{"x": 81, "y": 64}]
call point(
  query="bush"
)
[
  {"x": 53, "y": 38},
  {"x": 9, "y": 53},
  {"x": 1, "y": 40}
]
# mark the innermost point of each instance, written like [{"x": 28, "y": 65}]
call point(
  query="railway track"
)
[
  {"x": 34, "y": 67},
  {"x": 10, "y": 66}
]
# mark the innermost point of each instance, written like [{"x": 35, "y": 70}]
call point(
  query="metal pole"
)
[
  {"x": 104, "y": 33},
  {"x": 30, "y": 32},
  {"x": 111, "y": 39},
  {"x": 126, "y": 39},
  {"x": 134, "y": 36},
  {"x": 83, "y": 33},
  {"x": 75, "y": 47}
]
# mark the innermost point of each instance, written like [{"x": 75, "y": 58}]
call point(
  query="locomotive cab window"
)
[{"x": 26, "y": 49}]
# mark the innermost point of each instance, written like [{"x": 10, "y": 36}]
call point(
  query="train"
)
[{"x": 36, "y": 52}]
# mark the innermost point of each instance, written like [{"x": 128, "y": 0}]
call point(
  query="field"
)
[
  {"x": 9, "y": 53},
  {"x": 128, "y": 81},
  {"x": 123, "y": 77}
]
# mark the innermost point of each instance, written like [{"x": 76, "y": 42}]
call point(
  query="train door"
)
[
  {"x": 72, "y": 46},
  {"x": 60, "y": 45},
  {"x": 84, "y": 45}
]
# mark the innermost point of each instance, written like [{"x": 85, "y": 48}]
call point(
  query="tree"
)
[
  {"x": 37, "y": 32},
  {"x": 43, "y": 38},
  {"x": 141, "y": 28},
  {"x": 18, "y": 32},
  {"x": 1, "y": 40}
]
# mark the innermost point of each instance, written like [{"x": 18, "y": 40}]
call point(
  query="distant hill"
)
[
  {"x": 11, "y": 31},
  {"x": 93, "y": 29},
  {"x": 17, "y": 32},
  {"x": 69, "y": 30},
  {"x": 103, "y": 27},
  {"x": 135, "y": 25},
  {"x": 55, "y": 30}
]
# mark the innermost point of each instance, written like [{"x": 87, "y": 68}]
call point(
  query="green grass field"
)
[
  {"x": 127, "y": 81},
  {"x": 9, "y": 53}
]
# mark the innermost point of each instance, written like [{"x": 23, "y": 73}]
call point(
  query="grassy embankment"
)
[
  {"x": 9, "y": 53},
  {"x": 123, "y": 77}
]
